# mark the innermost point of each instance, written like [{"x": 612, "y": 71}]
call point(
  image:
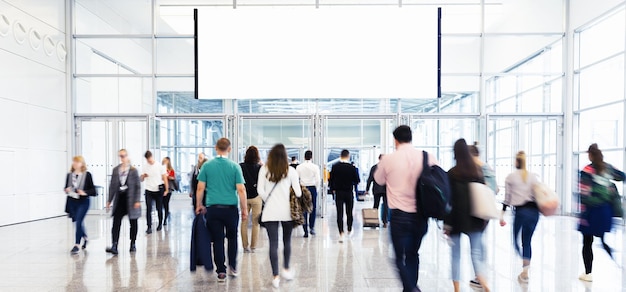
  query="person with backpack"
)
[
  {"x": 460, "y": 221},
  {"x": 598, "y": 206},
  {"x": 250, "y": 168},
  {"x": 400, "y": 172}
]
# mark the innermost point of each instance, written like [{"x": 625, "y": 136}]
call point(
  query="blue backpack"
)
[{"x": 433, "y": 191}]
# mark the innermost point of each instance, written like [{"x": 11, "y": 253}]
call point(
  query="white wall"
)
[
  {"x": 584, "y": 11},
  {"x": 33, "y": 111}
]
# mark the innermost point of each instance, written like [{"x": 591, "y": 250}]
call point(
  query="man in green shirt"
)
[{"x": 222, "y": 179}]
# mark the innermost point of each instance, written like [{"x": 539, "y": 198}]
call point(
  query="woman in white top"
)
[{"x": 276, "y": 179}]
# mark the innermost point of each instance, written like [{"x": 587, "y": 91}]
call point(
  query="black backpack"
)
[{"x": 433, "y": 191}]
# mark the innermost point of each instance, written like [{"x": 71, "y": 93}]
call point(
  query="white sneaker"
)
[
  {"x": 232, "y": 272},
  {"x": 341, "y": 237},
  {"x": 287, "y": 275},
  {"x": 586, "y": 278},
  {"x": 276, "y": 282}
]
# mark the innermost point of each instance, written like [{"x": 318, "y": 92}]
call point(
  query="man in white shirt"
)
[
  {"x": 154, "y": 177},
  {"x": 310, "y": 178}
]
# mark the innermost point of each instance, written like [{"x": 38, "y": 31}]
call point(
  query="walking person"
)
[
  {"x": 488, "y": 173},
  {"x": 518, "y": 194},
  {"x": 154, "y": 177},
  {"x": 379, "y": 192},
  {"x": 79, "y": 187},
  {"x": 596, "y": 194},
  {"x": 194, "y": 178},
  {"x": 294, "y": 162},
  {"x": 250, "y": 168},
  {"x": 399, "y": 171},
  {"x": 276, "y": 178},
  {"x": 343, "y": 177},
  {"x": 221, "y": 184},
  {"x": 358, "y": 174},
  {"x": 310, "y": 178},
  {"x": 460, "y": 221},
  {"x": 125, "y": 196},
  {"x": 171, "y": 182}
]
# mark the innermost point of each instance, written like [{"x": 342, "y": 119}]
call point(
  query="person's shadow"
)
[
  {"x": 78, "y": 277},
  {"x": 344, "y": 275}
]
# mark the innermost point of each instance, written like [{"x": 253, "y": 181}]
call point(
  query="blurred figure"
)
[
  {"x": 460, "y": 221},
  {"x": 488, "y": 173},
  {"x": 221, "y": 184},
  {"x": 310, "y": 178},
  {"x": 343, "y": 177},
  {"x": 276, "y": 178},
  {"x": 194, "y": 178},
  {"x": 399, "y": 171},
  {"x": 519, "y": 195},
  {"x": 171, "y": 179},
  {"x": 294, "y": 162},
  {"x": 358, "y": 174},
  {"x": 78, "y": 187},
  {"x": 250, "y": 168},
  {"x": 125, "y": 196},
  {"x": 379, "y": 192},
  {"x": 156, "y": 184},
  {"x": 596, "y": 197}
]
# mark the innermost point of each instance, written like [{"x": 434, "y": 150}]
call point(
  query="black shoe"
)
[
  {"x": 160, "y": 227},
  {"x": 149, "y": 231},
  {"x": 306, "y": 235},
  {"x": 112, "y": 249},
  {"x": 85, "y": 242},
  {"x": 133, "y": 247},
  {"x": 75, "y": 250}
]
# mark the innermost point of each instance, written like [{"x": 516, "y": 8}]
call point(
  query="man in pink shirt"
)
[{"x": 399, "y": 171}]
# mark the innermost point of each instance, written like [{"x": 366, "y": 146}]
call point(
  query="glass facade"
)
[{"x": 505, "y": 84}]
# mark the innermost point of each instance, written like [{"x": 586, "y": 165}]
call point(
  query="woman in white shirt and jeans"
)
[{"x": 275, "y": 180}]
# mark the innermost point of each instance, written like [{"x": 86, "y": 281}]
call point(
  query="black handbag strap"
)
[{"x": 270, "y": 194}]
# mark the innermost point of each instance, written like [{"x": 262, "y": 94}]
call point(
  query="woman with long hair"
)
[
  {"x": 276, "y": 178},
  {"x": 460, "y": 219},
  {"x": 519, "y": 195},
  {"x": 78, "y": 187},
  {"x": 596, "y": 193},
  {"x": 171, "y": 177},
  {"x": 250, "y": 169},
  {"x": 194, "y": 178}
]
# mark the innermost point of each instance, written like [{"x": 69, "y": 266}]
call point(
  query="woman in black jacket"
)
[
  {"x": 78, "y": 187},
  {"x": 460, "y": 221}
]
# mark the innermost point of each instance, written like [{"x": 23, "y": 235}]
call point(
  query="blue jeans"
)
[
  {"x": 219, "y": 219},
  {"x": 79, "y": 210},
  {"x": 525, "y": 220},
  {"x": 309, "y": 218},
  {"x": 407, "y": 231},
  {"x": 477, "y": 251}
]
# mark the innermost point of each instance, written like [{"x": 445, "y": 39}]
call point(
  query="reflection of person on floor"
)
[
  {"x": 78, "y": 277},
  {"x": 379, "y": 192},
  {"x": 125, "y": 196},
  {"x": 225, "y": 189},
  {"x": 343, "y": 177}
]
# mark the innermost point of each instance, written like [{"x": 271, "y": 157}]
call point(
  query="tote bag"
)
[
  {"x": 546, "y": 199},
  {"x": 483, "y": 202}
]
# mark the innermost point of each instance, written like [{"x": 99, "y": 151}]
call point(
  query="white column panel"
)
[{"x": 52, "y": 12}]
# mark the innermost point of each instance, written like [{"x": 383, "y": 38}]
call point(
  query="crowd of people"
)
[{"x": 227, "y": 196}]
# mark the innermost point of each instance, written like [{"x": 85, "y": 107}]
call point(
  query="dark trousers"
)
[
  {"x": 79, "y": 210},
  {"x": 407, "y": 231},
  {"x": 377, "y": 198},
  {"x": 525, "y": 220},
  {"x": 166, "y": 205},
  {"x": 272, "y": 233},
  {"x": 220, "y": 220},
  {"x": 588, "y": 252},
  {"x": 309, "y": 218},
  {"x": 156, "y": 197},
  {"x": 120, "y": 211},
  {"x": 347, "y": 199}
]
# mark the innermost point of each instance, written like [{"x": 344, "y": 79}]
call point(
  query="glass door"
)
[{"x": 99, "y": 140}]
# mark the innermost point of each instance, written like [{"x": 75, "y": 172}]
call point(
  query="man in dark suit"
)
[{"x": 343, "y": 176}]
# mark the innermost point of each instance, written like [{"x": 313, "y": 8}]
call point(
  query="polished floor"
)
[{"x": 35, "y": 257}]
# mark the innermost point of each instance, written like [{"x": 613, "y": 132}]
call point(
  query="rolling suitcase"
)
[{"x": 370, "y": 218}]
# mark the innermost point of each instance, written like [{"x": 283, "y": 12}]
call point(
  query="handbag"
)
[
  {"x": 261, "y": 223},
  {"x": 547, "y": 200},
  {"x": 616, "y": 202},
  {"x": 483, "y": 201}
]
